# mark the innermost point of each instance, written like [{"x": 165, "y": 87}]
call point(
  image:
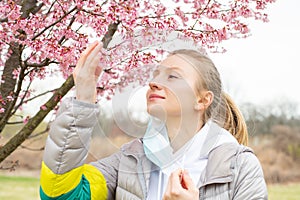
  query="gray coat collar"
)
[{"x": 221, "y": 160}]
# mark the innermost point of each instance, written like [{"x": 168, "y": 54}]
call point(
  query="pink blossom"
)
[
  {"x": 2, "y": 110},
  {"x": 26, "y": 119},
  {"x": 52, "y": 35},
  {"x": 160, "y": 10},
  {"x": 9, "y": 98},
  {"x": 16, "y": 73}
]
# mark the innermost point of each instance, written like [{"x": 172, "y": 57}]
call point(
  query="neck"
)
[{"x": 181, "y": 130}]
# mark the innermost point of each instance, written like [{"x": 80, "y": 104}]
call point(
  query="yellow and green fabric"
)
[{"x": 82, "y": 183}]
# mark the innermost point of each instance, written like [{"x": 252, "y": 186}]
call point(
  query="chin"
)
[{"x": 157, "y": 111}]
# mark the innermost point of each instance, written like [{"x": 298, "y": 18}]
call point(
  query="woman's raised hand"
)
[
  {"x": 86, "y": 73},
  {"x": 181, "y": 187}
]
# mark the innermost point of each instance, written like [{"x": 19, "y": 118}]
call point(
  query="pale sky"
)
[{"x": 265, "y": 66}]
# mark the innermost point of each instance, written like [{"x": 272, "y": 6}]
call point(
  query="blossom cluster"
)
[{"x": 58, "y": 31}]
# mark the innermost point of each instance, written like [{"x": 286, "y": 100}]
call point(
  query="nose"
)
[{"x": 154, "y": 85}]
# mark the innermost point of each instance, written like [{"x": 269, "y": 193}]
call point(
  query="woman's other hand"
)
[
  {"x": 181, "y": 186},
  {"x": 86, "y": 73}
]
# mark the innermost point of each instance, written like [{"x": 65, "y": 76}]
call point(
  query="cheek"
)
[
  {"x": 182, "y": 100},
  {"x": 187, "y": 101},
  {"x": 183, "y": 94}
]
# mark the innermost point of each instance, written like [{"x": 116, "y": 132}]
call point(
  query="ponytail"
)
[{"x": 234, "y": 121}]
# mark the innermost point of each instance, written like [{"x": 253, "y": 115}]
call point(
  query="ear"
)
[{"x": 204, "y": 100}]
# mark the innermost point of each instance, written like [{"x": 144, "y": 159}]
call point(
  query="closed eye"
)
[{"x": 172, "y": 76}]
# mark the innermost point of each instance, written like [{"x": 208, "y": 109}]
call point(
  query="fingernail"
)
[{"x": 186, "y": 172}]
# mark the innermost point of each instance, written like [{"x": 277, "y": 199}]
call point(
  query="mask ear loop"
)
[
  {"x": 149, "y": 125},
  {"x": 182, "y": 162},
  {"x": 159, "y": 192}
]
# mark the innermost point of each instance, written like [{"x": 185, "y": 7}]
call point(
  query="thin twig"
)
[
  {"x": 39, "y": 95},
  {"x": 13, "y": 166},
  {"x": 40, "y": 133},
  {"x": 22, "y": 99},
  {"x": 54, "y": 23},
  {"x": 32, "y": 149}
]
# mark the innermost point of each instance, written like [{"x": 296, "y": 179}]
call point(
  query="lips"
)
[{"x": 155, "y": 96}]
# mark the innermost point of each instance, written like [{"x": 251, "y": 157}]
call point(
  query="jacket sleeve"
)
[
  {"x": 250, "y": 182},
  {"x": 109, "y": 167},
  {"x": 64, "y": 174}
]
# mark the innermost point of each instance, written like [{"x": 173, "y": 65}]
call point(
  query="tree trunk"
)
[{"x": 7, "y": 88}]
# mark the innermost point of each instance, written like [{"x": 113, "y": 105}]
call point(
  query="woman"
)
[{"x": 191, "y": 149}]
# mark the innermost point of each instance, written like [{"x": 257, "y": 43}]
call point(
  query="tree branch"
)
[
  {"x": 51, "y": 7},
  {"x": 28, "y": 7},
  {"x": 69, "y": 26},
  {"x": 112, "y": 28},
  {"x": 4, "y": 20},
  {"x": 39, "y": 95},
  {"x": 54, "y": 23},
  {"x": 28, "y": 128},
  {"x": 15, "y": 122},
  {"x": 32, "y": 149},
  {"x": 14, "y": 165},
  {"x": 40, "y": 133},
  {"x": 21, "y": 102},
  {"x": 44, "y": 63},
  {"x": 202, "y": 11}
]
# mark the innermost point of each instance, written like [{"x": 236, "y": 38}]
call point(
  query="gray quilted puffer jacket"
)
[{"x": 232, "y": 172}]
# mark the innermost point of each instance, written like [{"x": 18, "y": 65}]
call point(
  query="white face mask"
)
[{"x": 156, "y": 143}]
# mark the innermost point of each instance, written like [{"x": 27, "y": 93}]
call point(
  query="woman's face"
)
[{"x": 172, "y": 92}]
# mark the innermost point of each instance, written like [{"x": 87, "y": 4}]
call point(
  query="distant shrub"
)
[
  {"x": 287, "y": 140},
  {"x": 279, "y": 154}
]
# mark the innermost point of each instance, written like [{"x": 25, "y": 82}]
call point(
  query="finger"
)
[
  {"x": 94, "y": 67},
  {"x": 85, "y": 54},
  {"x": 89, "y": 61},
  {"x": 174, "y": 183},
  {"x": 94, "y": 57},
  {"x": 187, "y": 181},
  {"x": 98, "y": 71}
]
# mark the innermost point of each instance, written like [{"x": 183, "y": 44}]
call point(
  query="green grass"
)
[
  {"x": 19, "y": 188},
  {"x": 284, "y": 192},
  {"x": 22, "y": 188}
]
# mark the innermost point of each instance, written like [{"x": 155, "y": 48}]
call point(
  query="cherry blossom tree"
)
[{"x": 43, "y": 38}]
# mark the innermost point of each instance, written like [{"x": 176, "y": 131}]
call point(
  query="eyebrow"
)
[{"x": 167, "y": 68}]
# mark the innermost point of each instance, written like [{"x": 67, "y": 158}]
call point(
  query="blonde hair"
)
[{"x": 222, "y": 110}]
